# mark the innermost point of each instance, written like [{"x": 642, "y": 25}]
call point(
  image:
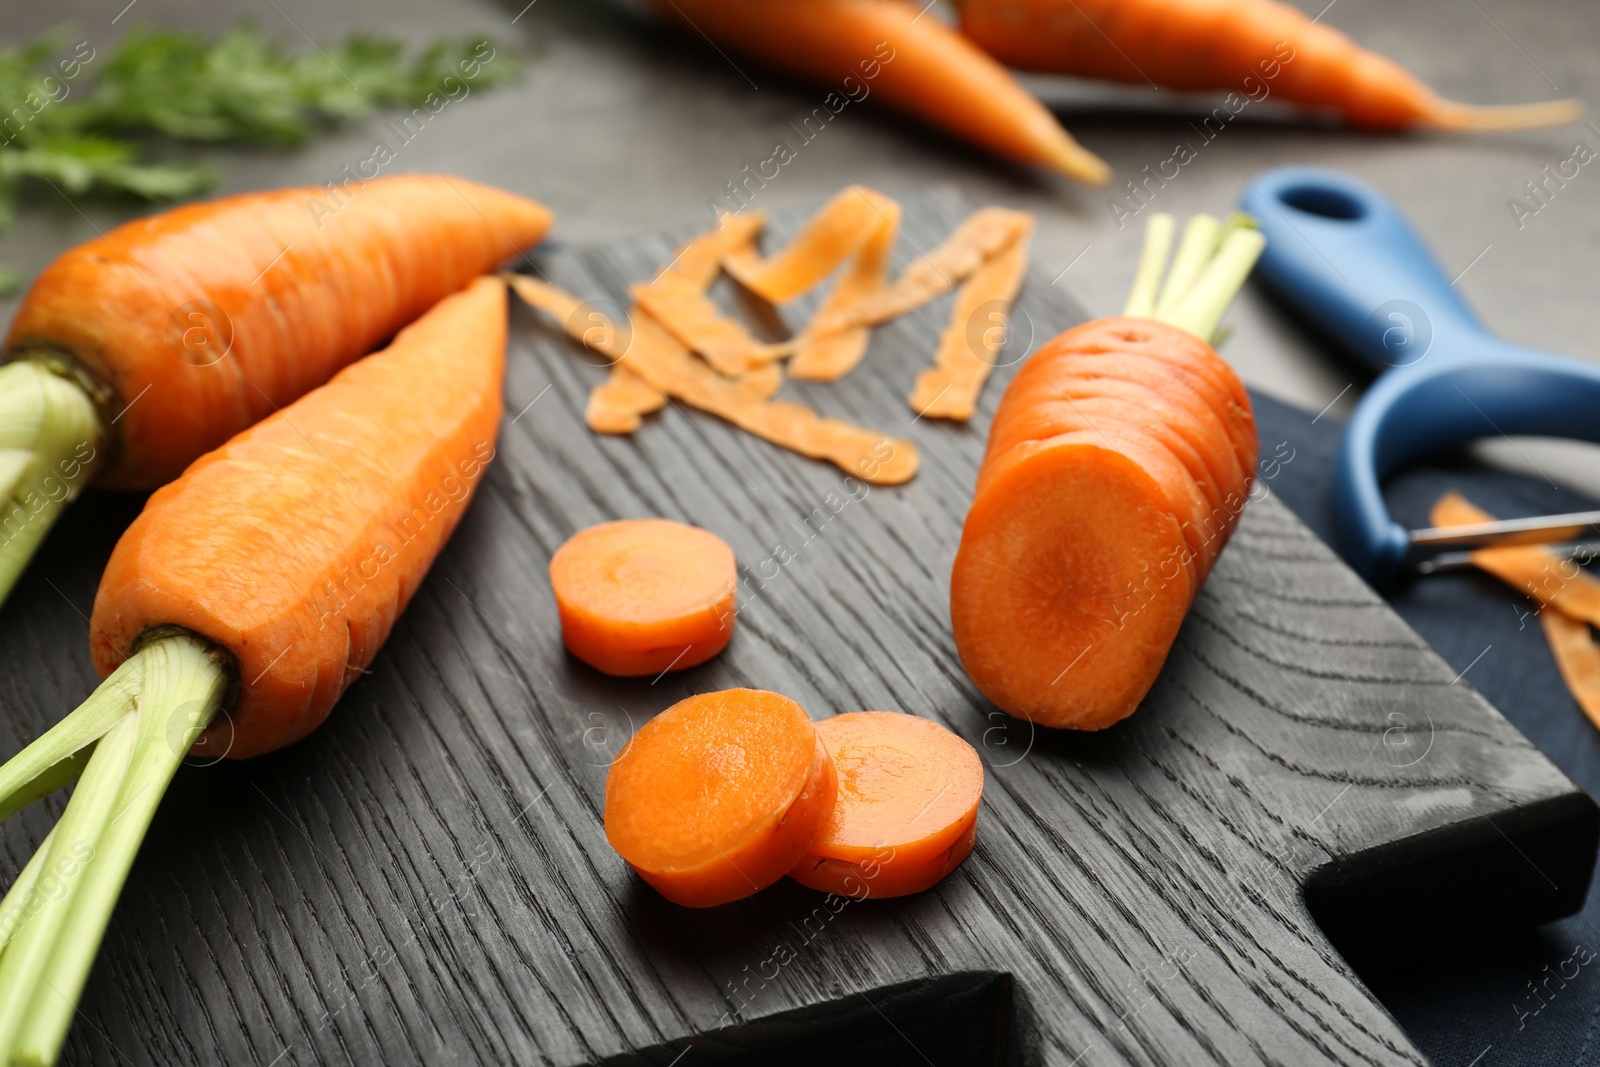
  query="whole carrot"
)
[
  {"x": 1253, "y": 47},
  {"x": 256, "y": 587},
  {"x": 902, "y": 54},
  {"x": 140, "y": 350}
]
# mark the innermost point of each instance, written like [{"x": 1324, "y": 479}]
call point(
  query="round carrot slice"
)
[
  {"x": 1071, "y": 581},
  {"x": 907, "y": 808},
  {"x": 720, "y": 795},
  {"x": 642, "y": 596}
]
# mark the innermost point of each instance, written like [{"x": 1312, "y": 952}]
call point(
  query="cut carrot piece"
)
[
  {"x": 971, "y": 341},
  {"x": 1532, "y": 569},
  {"x": 980, "y": 237},
  {"x": 720, "y": 795},
  {"x": 644, "y": 596},
  {"x": 1577, "y": 657},
  {"x": 1069, "y": 585},
  {"x": 836, "y": 233},
  {"x": 1097, "y": 518},
  {"x": 830, "y": 356},
  {"x": 906, "y": 814},
  {"x": 657, "y": 357}
]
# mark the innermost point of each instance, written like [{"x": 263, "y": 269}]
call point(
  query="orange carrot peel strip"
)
[
  {"x": 971, "y": 342},
  {"x": 1543, "y": 575},
  {"x": 657, "y": 357},
  {"x": 827, "y": 357}
]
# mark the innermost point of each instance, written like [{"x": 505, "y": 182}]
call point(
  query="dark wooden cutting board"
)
[{"x": 425, "y": 880}]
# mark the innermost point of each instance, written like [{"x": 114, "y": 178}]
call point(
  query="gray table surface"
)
[{"x": 622, "y": 128}]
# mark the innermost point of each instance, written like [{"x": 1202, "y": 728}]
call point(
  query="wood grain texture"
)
[{"x": 425, "y": 880}]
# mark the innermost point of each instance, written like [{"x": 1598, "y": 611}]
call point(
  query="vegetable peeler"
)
[{"x": 1343, "y": 256}]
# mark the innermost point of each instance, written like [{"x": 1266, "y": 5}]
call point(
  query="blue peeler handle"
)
[{"x": 1344, "y": 257}]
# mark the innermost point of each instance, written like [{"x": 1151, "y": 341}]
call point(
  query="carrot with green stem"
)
[
  {"x": 903, "y": 54},
  {"x": 1117, "y": 465},
  {"x": 1255, "y": 48},
  {"x": 135, "y": 353},
  {"x": 235, "y": 610}
]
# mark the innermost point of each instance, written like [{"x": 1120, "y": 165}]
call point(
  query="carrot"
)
[
  {"x": 644, "y": 596},
  {"x": 1115, "y": 471},
  {"x": 265, "y": 578},
  {"x": 829, "y": 357},
  {"x": 887, "y": 48},
  {"x": 177, "y": 331},
  {"x": 1577, "y": 658},
  {"x": 719, "y": 796},
  {"x": 907, "y": 808},
  {"x": 1255, "y": 48}
]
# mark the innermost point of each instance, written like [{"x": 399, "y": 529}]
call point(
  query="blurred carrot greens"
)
[{"x": 84, "y": 119}]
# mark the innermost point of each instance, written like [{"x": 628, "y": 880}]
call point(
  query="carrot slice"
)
[
  {"x": 720, "y": 795},
  {"x": 1577, "y": 657},
  {"x": 1072, "y": 553},
  {"x": 906, "y": 814},
  {"x": 830, "y": 356},
  {"x": 980, "y": 237},
  {"x": 644, "y": 596},
  {"x": 977, "y": 328},
  {"x": 836, "y": 233},
  {"x": 656, "y": 356},
  {"x": 1533, "y": 569}
]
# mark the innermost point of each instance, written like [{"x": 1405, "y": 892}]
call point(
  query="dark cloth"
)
[{"x": 1533, "y": 998}]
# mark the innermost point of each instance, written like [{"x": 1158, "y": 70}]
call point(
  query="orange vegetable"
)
[
  {"x": 1117, "y": 466},
  {"x": 891, "y": 50},
  {"x": 644, "y": 596},
  {"x": 829, "y": 357},
  {"x": 197, "y": 322},
  {"x": 719, "y": 796},
  {"x": 907, "y": 808},
  {"x": 1255, "y": 48},
  {"x": 297, "y": 544}
]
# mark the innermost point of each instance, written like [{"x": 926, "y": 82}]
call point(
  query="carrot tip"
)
[
  {"x": 1452, "y": 115},
  {"x": 1071, "y": 159}
]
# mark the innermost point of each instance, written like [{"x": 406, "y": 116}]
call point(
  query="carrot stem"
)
[
  {"x": 179, "y": 685},
  {"x": 1201, "y": 311},
  {"x": 1201, "y": 237},
  {"x": 57, "y": 756},
  {"x": 21, "y": 892},
  {"x": 1152, "y": 264},
  {"x": 50, "y": 443},
  {"x": 1212, "y": 262}
]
